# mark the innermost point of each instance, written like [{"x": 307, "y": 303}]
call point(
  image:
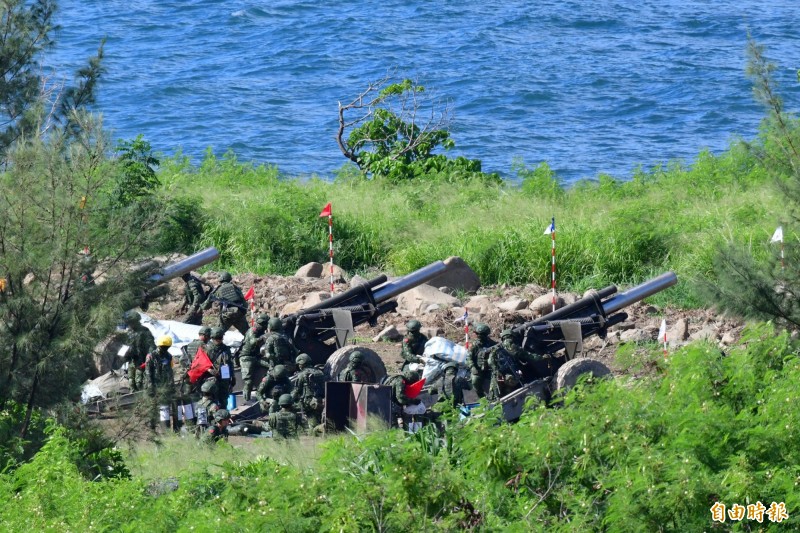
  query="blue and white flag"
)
[
  {"x": 778, "y": 235},
  {"x": 551, "y": 228},
  {"x": 463, "y": 318}
]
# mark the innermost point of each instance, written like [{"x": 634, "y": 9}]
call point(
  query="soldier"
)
[
  {"x": 140, "y": 342},
  {"x": 222, "y": 359},
  {"x": 222, "y": 419},
  {"x": 232, "y": 305},
  {"x": 479, "y": 358},
  {"x": 190, "y": 350},
  {"x": 413, "y": 344},
  {"x": 267, "y": 390},
  {"x": 278, "y": 348},
  {"x": 452, "y": 386},
  {"x": 309, "y": 390},
  {"x": 522, "y": 357},
  {"x": 250, "y": 353},
  {"x": 207, "y": 405},
  {"x": 286, "y": 423},
  {"x": 356, "y": 370},
  {"x": 404, "y": 407},
  {"x": 161, "y": 383},
  {"x": 194, "y": 296}
]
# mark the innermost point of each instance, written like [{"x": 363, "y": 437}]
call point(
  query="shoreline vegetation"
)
[{"x": 664, "y": 447}]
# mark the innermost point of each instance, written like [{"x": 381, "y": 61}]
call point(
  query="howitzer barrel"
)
[
  {"x": 179, "y": 268},
  {"x": 640, "y": 292},
  {"x": 409, "y": 281}
]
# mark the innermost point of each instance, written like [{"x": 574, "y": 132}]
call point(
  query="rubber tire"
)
[
  {"x": 568, "y": 374},
  {"x": 340, "y": 358}
]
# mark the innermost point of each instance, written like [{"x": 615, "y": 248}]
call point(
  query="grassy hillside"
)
[{"x": 609, "y": 231}]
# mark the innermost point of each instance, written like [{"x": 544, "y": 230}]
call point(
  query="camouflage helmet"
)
[
  {"x": 482, "y": 330},
  {"x": 131, "y": 317},
  {"x": 204, "y": 331},
  {"x": 217, "y": 333},
  {"x": 263, "y": 320},
  {"x": 222, "y": 414},
  {"x": 164, "y": 340},
  {"x": 356, "y": 357},
  {"x": 275, "y": 324},
  {"x": 303, "y": 359},
  {"x": 411, "y": 375},
  {"x": 279, "y": 372},
  {"x": 508, "y": 334},
  {"x": 207, "y": 387},
  {"x": 225, "y": 277},
  {"x": 285, "y": 400},
  {"x": 413, "y": 326}
]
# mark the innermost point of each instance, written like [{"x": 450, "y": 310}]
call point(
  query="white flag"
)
[
  {"x": 662, "y": 331},
  {"x": 778, "y": 235},
  {"x": 550, "y": 228}
]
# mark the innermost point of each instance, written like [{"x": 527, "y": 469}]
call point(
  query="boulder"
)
[
  {"x": 312, "y": 298},
  {"x": 413, "y": 302},
  {"x": 389, "y": 333},
  {"x": 309, "y": 270},
  {"x": 679, "y": 332},
  {"x": 544, "y": 304},
  {"x": 459, "y": 276},
  {"x": 513, "y": 304},
  {"x": 635, "y": 335},
  {"x": 706, "y": 333},
  {"x": 478, "y": 304},
  {"x": 357, "y": 280}
]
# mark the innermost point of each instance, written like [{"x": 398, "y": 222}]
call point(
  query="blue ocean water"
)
[{"x": 589, "y": 87}]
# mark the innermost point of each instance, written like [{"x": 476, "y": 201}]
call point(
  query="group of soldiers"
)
[{"x": 293, "y": 390}]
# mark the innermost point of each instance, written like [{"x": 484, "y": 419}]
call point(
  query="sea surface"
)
[{"x": 590, "y": 87}]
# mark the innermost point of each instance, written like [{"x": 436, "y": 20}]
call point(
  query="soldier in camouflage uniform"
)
[
  {"x": 356, "y": 370},
  {"x": 413, "y": 344},
  {"x": 140, "y": 342},
  {"x": 479, "y": 358},
  {"x": 207, "y": 405},
  {"x": 222, "y": 359},
  {"x": 194, "y": 296},
  {"x": 277, "y": 379},
  {"x": 232, "y": 305},
  {"x": 451, "y": 386},
  {"x": 286, "y": 423},
  {"x": 222, "y": 419},
  {"x": 522, "y": 357},
  {"x": 250, "y": 353},
  {"x": 160, "y": 382},
  {"x": 398, "y": 382},
  {"x": 278, "y": 347},
  {"x": 309, "y": 390}
]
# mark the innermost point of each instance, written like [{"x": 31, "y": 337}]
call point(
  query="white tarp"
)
[
  {"x": 182, "y": 334},
  {"x": 440, "y": 351}
]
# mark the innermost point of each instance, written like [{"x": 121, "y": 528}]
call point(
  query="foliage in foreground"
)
[{"x": 652, "y": 454}]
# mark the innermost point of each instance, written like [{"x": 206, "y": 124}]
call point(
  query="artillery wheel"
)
[
  {"x": 568, "y": 374},
  {"x": 340, "y": 358}
]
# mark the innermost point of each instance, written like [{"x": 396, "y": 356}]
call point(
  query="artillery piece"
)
[
  {"x": 565, "y": 329},
  {"x": 322, "y": 330}
]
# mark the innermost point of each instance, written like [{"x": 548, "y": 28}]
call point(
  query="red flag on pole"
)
[
  {"x": 413, "y": 389},
  {"x": 326, "y": 211},
  {"x": 199, "y": 366},
  {"x": 250, "y": 294}
]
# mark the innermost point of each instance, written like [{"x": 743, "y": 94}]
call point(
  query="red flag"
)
[
  {"x": 199, "y": 366},
  {"x": 326, "y": 211},
  {"x": 250, "y": 294},
  {"x": 413, "y": 389}
]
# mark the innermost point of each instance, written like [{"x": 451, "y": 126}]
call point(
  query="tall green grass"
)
[{"x": 609, "y": 231}]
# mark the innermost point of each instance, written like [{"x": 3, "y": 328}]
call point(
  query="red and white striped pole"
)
[
  {"x": 466, "y": 329},
  {"x": 551, "y": 229},
  {"x": 326, "y": 212},
  {"x": 778, "y": 237}
]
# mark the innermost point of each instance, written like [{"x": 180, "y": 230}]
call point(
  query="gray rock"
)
[
  {"x": 414, "y": 301},
  {"x": 707, "y": 333},
  {"x": 309, "y": 299},
  {"x": 309, "y": 270},
  {"x": 679, "y": 332},
  {"x": 389, "y": 333},
  {"x": 544, "y": 304},
  {"x": 357, "y": 280},
  {"x": 635, "y": 335},
  {"x": 513, "y": 304},
  {"x": 728, "y": 338},
  {"x": 459, "y": 276}
]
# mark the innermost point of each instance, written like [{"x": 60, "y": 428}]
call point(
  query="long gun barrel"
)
[
  {"x": 179, "y": 268},
  {"x": 310, "y": 328},
  {"x": 591, "y": 315}
]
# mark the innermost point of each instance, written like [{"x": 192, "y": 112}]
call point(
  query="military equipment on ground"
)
[
  {"x": 565, "y": 329},
  {"x": 322, "y": 330},
  {"x": 159, "y": 276}
]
